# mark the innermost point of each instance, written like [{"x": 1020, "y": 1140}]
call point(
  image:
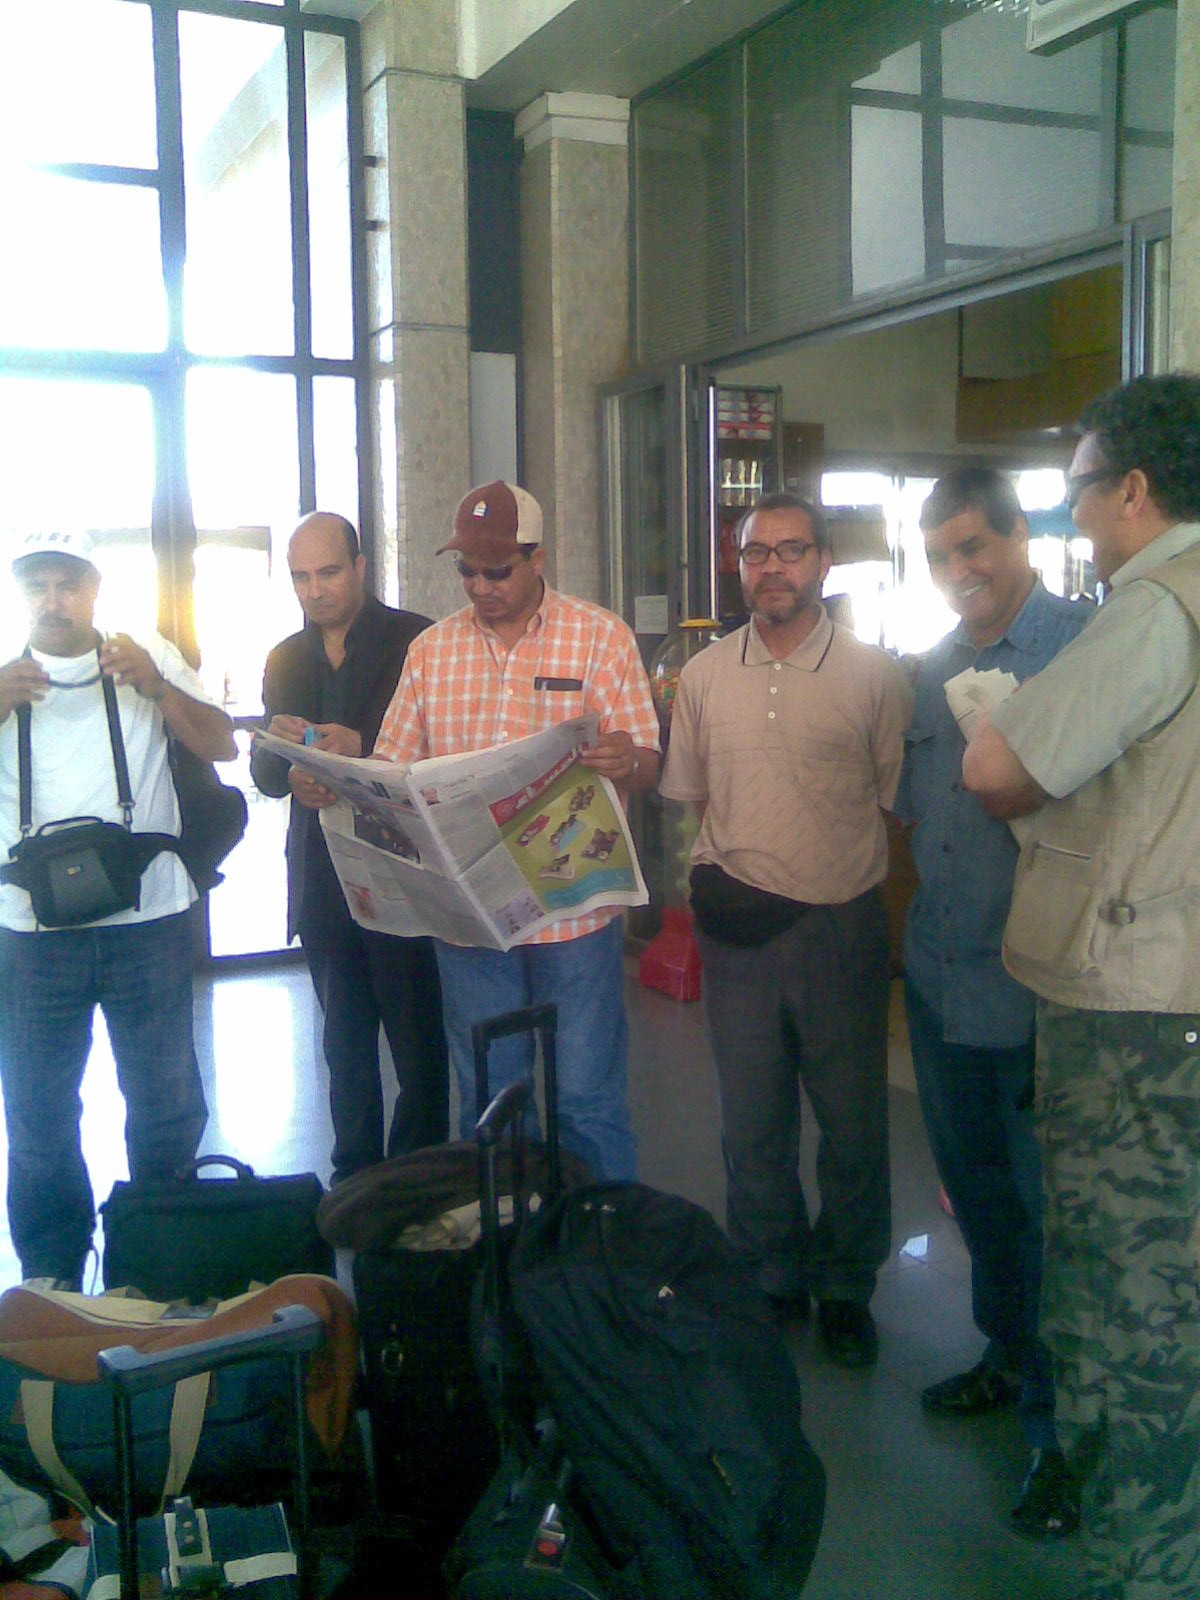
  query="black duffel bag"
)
[{"x": 199, "y": 1239}]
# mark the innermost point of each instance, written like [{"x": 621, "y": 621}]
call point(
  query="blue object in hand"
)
[{"x": 310, "y": 735}]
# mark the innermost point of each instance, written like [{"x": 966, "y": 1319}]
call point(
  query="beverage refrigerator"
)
[{"x": 744, "y": 462}]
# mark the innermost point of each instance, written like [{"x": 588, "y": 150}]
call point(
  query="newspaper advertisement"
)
[{"x": 483, "y": 848}]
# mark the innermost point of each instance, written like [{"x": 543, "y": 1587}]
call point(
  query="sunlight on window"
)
[{"x": 252, "y": 1110}]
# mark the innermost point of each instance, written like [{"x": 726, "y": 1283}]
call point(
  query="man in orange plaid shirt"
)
[{"x": 518, "y": 659}]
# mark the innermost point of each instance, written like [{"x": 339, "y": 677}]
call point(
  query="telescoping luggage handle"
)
[
  {"x": 294, "y": 1332},
  {"x": 542, "y": 1020}
]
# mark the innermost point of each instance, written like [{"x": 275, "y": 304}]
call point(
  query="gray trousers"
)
[{"x": 809, "y": 1007}]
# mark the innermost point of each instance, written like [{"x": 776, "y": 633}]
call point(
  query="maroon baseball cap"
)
[{"x": 494, "y": 522}]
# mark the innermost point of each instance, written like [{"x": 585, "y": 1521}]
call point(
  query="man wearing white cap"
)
[
  {"x": 518, "y": 659},
  {"x": 136, "y": 962}
]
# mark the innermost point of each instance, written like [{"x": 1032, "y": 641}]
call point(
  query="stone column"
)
[
  {"x": 1185, "y": 195},
  {"x": 414, "y": 125},
  {"x": 575, "y": 314}
]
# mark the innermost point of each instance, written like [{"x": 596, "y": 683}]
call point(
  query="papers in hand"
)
[{"x": 973, "y": 694}]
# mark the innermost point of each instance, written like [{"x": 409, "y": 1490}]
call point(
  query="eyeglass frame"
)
[
  {"x": 490, "y": 574},
  {"x": 769, "y": 550},
  {"x": 1084, "y": 480}
]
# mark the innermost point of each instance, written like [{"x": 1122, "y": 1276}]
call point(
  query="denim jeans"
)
[
  {"x": 584, "y": 978},
  {"x": 987, "y": 1158},
  {"x": 140, "y": 975}
]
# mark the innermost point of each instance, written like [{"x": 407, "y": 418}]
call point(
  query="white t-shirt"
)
[{"x": 74, "y": 776}]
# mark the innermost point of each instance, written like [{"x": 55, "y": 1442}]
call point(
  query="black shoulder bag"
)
[{"x": 80, "y": 869}]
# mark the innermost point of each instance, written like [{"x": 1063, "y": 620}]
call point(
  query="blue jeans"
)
[
  {"x": 987, "y": 1158},
  {"x": 584, "y": 978},
  {"x": 140, "y": 975}
]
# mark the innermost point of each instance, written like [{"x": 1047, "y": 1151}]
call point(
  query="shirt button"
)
[
  {"x": 1190, "y": 1036},
  {"x": 779, "y": 666},
  {"x": 955, "y": 786},
  {"x": 770, "y": 716},
  {"x": 774, "y": 688},
  {"x": 947, "y": 849}
]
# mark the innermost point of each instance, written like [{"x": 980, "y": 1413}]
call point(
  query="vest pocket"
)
[{"x": 1054, "y": 924}]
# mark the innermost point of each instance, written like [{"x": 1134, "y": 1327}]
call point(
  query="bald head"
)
[{"x": 328, "y": 570}]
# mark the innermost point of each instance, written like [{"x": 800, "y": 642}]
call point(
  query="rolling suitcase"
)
[
  {"x": 434, "y": 1442},
  {"x": 186, "y": 1551},
  {"x": 529, "y": 1536}
]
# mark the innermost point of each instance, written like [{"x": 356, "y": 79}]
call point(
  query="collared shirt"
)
[
  {"x": 791, "y": 759},
  {"x": 463, "y": 689},
  {"x": 1127, "y": 674},
  {"x": 965, "y": 859}
]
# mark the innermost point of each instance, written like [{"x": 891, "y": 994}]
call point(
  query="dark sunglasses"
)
[
  {"x": 1084, "y": 480},
  {"x": 492, "y": 574}
]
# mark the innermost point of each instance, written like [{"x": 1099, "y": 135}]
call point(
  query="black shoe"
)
[
  {"x": 789, "y": 1309},
  {"x": 1049, "y": 1503},
  {"x": 972, "y": 1394},
  {"x": 848, "y": 1332}
]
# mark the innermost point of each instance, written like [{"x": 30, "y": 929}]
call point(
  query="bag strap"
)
[
  {"x": 187, "y": 1419},
  {"x": 116, "y": 740}
]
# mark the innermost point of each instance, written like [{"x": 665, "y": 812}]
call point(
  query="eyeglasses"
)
[
  {"x": 492, "y": 574},
  {"x": 789, "y": 552},
  {"x": 1084, "y": 480}
]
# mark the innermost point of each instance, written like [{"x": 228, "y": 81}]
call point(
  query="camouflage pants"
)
[{"x": 1118, "y": 1108}]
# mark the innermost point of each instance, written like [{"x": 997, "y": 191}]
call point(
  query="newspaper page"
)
[{"x": 483, "y": 848}]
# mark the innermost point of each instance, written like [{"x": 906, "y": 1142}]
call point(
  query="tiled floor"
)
[{"x": 917, "y": 1508}]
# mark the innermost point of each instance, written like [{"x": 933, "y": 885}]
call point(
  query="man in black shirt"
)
[{"x": 336, "y": 677}]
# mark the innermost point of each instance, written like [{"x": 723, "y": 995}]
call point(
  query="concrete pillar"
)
[
  {"x": 575, "y": 314},
  {"x": 414, "y": 126},
  {"x": 1185, "y": 193}
]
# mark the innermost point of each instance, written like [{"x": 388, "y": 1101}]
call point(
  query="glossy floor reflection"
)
[{"x": 917, "y": 1508}]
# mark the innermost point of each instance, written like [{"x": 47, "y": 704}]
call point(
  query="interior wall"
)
[
  {"x": 889, "y": 394},
  {"x": 1006, "y": 377}
]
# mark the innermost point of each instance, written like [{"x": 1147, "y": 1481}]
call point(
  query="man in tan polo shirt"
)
[{"x": 787, "y": 738}]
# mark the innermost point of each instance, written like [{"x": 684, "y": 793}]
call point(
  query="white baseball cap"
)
[{"x": 73, "y": 542}]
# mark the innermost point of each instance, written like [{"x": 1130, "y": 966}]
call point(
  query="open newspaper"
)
[{"x": 483, "y": 848}]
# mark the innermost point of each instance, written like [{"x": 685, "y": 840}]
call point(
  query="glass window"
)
[
  {"x": 238, "y": 278},
  {"x": 685, "y": 215},
  {"x": 1148, "y": 111},
  {"x": 81, "y": 455},
  {"x": 94, "y": 279},
  {"x": 984, "y": 59},
  {"x": 1009, "y": 186},
  {"x": 56, "y": 106},
  {"x": 887, "y": 234},
  {"x": 336, "y": 446},
  {"x": 328, "y": 195},
  {"x": 242, "y": 468}
]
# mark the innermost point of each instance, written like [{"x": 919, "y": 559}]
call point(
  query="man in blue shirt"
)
[{"x": 970, "y": 1024}]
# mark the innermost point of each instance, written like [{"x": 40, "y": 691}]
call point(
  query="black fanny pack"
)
[
  {"x": 733, "y": 912},
  {"x": 79, "y": 869}
]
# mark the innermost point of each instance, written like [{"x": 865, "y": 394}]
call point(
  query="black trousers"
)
[
  {"x": 808, "y": 1007},
  {"x": 364, "y": 979}
]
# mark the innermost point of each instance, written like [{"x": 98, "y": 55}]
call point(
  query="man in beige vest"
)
[{"x": 1103, "y": 747}]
